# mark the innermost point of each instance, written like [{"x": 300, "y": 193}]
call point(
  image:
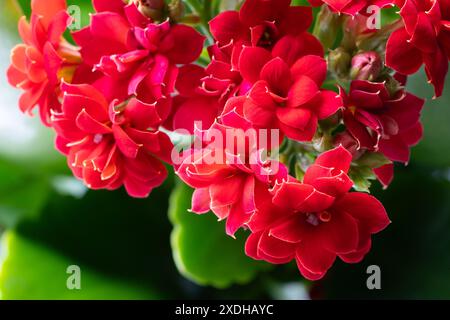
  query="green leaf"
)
[
  {"x": 201, "y": 249},
  {"x": 434, "y": 149},
  {"x": 361, "y": 177},
  {"x": 22, "y": 193},
  {"x": 32, "y": 271},
  {"x": 373, "y": 160}
]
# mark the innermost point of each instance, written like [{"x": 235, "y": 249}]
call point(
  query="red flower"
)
[
  {"x": 424, "y": 39},
  {"x": 286, "y": 91},
  {"x": 139, "y": 56},
  {"x": 380, "y": 121},
  {"x": 38, "y": 65},
  {"x": 229, "y": 179},
  {"x": 260, "y": 23},
  {"x": 352, "y": 7},
  {"x": 110, "y": 145},
  {"x": 318, "y": 219}
]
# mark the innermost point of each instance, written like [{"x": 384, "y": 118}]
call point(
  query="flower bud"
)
[
  {"x": 327, "y": 27},
  {"x": 153, "y": 9},
  {"x": 176, "y": 10},
  {"x": 339, "y": 62},
  {"x": 366, "y": 66}
]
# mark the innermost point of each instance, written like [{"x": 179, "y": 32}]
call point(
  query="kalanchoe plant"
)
[{"x": 286, "y": 127}]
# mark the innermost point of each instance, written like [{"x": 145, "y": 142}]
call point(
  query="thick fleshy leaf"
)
[{"x": 200, "y": 238}]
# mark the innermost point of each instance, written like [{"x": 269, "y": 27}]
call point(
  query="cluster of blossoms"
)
[{"x": 333, "y": 108}]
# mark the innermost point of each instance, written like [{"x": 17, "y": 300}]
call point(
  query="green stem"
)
[{"x": 204, "y": 11}]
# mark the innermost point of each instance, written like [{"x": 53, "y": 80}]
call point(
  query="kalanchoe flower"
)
[
  {"x": 138, "y": 56},
  {"x": 381, "y": 121},
  {"x": 285, "y": 92},
  {"x": 230, "y": 177},
  {"x": 424, "y": 39},
  {"x": 39, "y": 64},
  {"x": 260, "y": 23},
  {"x": 318, "y": 219},
  {"x": 111, "y": 144},
  {"x": 352, "y": 7}
]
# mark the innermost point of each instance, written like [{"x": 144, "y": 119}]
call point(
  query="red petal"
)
[
  {"x": 313, "y": 257},
  {"x": 436, "y": 68},
  {"x": 226, "y": 26},
  {"x": 314, "y": 67},
  {"x": 402, "y": 56},
  {"x": 47, "y": 10},
  {"x": 294, "y": 117},
  {"x": 254, "y": 12},
  {"x": 385, "y": 174},
  {"x": 187, "y": 44},
  {"x": 302, "y": 91},
  {"x": 305, "y": 134},
  {"x": 276, "y": 73},
  {"x": 251, "y": 62},
  {"x": 364, "y": 208},
  {"x": 126, "y": 145},
  {"x": 424, "y": 36},
  {"x": 271, "y": 247},
  {"x": 328, "y": 104},
  {"x": 201, "y": 200},
  {"x": 340, "y": 234},
  {"x": 226, "y": 192},
  {"x": 339, "y": 159},
  {"x": 90, "y": 125}
]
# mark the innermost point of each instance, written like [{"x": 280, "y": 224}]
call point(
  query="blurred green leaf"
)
[
  {"x": 412, "y": 252},
  {"x": 113, "y": 233},
  {"x": 32, "y": 271},
  {"x": 434, "y": 149},
  {"x": 201, "y": 249},
  {"x": 23, "y": 193}
]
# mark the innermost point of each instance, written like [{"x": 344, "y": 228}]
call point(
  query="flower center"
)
[
  {"x": 316, "y": 218},
  {"x": 98, "y": 138}
]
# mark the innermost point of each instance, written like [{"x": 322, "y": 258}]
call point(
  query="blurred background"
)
[{"x": 134, "y": 249}]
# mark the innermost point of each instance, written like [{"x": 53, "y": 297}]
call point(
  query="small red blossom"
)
[
  {"x": 39, "y": 64},
  {"x": 111, "y": 144},
  {"x": 230, "y": 186},
  {"x": 424, "y": 40},
  {"x": 317, "y": 220},
  {"x": 285, "y": 92},
  {"x": 140, "y": 57},
  {"x": 260, "y": 23},
  {"x": 380, "y": 121}
]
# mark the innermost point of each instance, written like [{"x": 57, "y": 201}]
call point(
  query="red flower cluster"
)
[
  {"x": 379, "y": 121},
  {"x": 317, "y": 220},
  {"x": 134, "y": 75},
  {"x": 111, "y": 144},
  {"x": 424, "y": 39},
  {"x": 123, "y": 75}
]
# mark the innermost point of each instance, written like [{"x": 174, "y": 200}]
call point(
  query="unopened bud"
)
[
  {"x": 366, "y": 66},
  {"x": 154, "y": 9},
  {"x": 328, "y": 24},
  {"x": 176, "y": 10},
  {"x": 339, "y": 62}
]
